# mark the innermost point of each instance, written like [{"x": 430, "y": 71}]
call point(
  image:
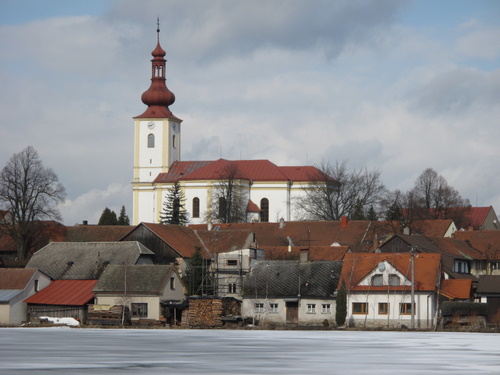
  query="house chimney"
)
[
  {"x": 282, "y": 223},
  {"x": 406, "y": 231},
  {"x": 343, "y": 222},
  {"x": 304, "y": 255},
  {"x": 209, "y": 226}
]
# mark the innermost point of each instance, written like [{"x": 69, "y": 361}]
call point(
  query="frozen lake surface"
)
[{"x": 65, "y": 350}]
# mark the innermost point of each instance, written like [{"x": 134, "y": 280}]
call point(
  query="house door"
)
[{"x": 292, "y": 313}]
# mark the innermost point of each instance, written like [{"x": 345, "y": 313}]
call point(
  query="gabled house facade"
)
[
  {"x": 291, "y": 293},
  {"x": 143, "y": 288},
  {"x": 17, "y": 284},
  {"x": 379, "y": 289}
]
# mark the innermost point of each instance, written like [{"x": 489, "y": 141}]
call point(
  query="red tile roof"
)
[
  {"x": 476, "y": 216},
  {"x": 486, "y": 242},
  {"x": 65, "y": 292},
  {"x": 456, "y": 288},
  {"x": 254, "y": 170},
  {"x": 357, "y": 266},
  {"x": 15, "y": 278}
]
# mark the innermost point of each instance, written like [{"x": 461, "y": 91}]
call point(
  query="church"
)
[{"x": 253, "y": 190}]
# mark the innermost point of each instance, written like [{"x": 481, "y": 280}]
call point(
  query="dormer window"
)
[
  {"x": 461, "y": 266},
  {"x": 394, "y": 280},
  {"x": 377, "y": 280}
]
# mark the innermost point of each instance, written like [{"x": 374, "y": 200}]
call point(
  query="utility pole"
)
[{"x": 412, "y": 260}]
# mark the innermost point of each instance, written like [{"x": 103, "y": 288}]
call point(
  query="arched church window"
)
[
  {"x": 151, "y": 141},
  {"x": 196, "y": 207},
  {"x": 222, "y": 209},
  {"x": 173, "y": 141},
  {"x": 264, "y": 210}
]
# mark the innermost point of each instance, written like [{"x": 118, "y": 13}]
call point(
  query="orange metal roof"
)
[
  {"x": 456, "y": 288},
  {"x": 65, "y": 292}
]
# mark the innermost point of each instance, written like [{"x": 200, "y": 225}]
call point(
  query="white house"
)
[
  {"x": 17, "y": 284},
  {"x": 141, "y": 287},
  {"x": 287, "y": 292},
  {"x": 379, "y": 289}
]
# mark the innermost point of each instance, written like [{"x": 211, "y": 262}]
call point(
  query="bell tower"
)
[{"x": 157, "y": 139}]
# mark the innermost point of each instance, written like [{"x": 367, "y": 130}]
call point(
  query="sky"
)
[{"x": 393, "y": 85}]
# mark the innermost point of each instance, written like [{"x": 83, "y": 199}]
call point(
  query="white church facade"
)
[{"x": 266, "y": 192}]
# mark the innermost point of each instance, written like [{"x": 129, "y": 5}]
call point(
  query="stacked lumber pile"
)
[
  {"x": 210, "y": 312},
  {"x": 205, "y": 312},
  {"x": 108, "y": 315}
]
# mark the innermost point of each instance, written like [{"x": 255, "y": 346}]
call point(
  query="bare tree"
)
[
  {"x": 337, "y": 191},
  {"x": 228, "y": 197},
  {"x": 29, "y": 192},
  {"x": 430, "y": 198}
]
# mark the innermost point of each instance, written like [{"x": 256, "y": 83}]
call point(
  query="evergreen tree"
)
[
  {"x": 123, "y": 218},
  {"x": 341, "y": 303},
  {"x": 174, "y": 211},
  {"x": 372, "y": 215},
  {"x": 358, "y": 213},
  {"x": 193, "y": 278},
  {"x": 108, "y": 217}
]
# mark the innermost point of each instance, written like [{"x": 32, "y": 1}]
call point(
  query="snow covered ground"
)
[{"x": 64, "y": 350}]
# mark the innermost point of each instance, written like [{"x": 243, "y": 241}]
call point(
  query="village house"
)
[
  {"x": 143, "y": 288},
  {"x": 291, "y": 292},
  {"x": 379, "y": 289},
  {"x": 17, "y": 284}
]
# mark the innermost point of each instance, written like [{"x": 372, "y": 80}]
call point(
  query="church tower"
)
[{"x": 157, "y": 140}]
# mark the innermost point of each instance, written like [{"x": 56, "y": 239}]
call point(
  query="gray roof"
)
[
  {"x": 85, "y": 260},
  {"x": 7, "y": 294},
  {"x": 149, "y": 279},
  {"x": 288, "y": 278},
  {"x": 488, "y": 284}
]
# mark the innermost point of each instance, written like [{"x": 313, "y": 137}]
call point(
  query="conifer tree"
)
[
  {"x": 341, "y": 303},
  {"x": 123, "y": 218},
  {"x": 174, "y": 211},
  {"x": 108, "y": 217}
]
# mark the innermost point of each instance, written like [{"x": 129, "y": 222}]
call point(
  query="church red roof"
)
[{"x": 252, "y": 170}]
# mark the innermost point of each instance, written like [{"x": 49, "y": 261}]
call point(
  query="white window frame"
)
[
  {"x": 326, "y": 308},
  {"x": 311, "y": 308}
]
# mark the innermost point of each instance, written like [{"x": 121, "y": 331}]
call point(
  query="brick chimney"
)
[{"x": 343, "y": 222}]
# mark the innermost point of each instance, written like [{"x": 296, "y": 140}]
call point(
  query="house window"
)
[
  {"x": 232, "y": 262},
  {"x": 405, "y": 308},
  {"x": 264, "y": 210},
  {"x": 172, "y": 283},
  {"x": 377, "y": 280},
  {"x": 37, "y": 286},
  {"x": 196, "y": 207},
  {"x": 383, "y": 308},
  {"x": 325, "y": 308},
  {"x": 273, "y": 308},
  {"x": 311, "y": 308},
  {"x": 231, "y": 288},
  {"x": 461, "y": 266},
  {"x": 222, "y": 209},
  {"x": 360, "y": 308},
  {"x": 140, "y": 310},
  {"x": 259, "y": 307},
  {"x": 394, "y": 280},
  {"x": 151, "y": 141}
]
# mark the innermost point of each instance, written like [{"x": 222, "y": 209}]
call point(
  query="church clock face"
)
[
  {"x": 151, "y": 125},
  {"x": 174, "y": 126}
]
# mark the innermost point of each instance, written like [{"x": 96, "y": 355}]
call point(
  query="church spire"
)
[{"x": 158, "y": 97}]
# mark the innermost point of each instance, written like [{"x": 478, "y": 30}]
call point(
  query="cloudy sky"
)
[{"x": 399, "y": 86}]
